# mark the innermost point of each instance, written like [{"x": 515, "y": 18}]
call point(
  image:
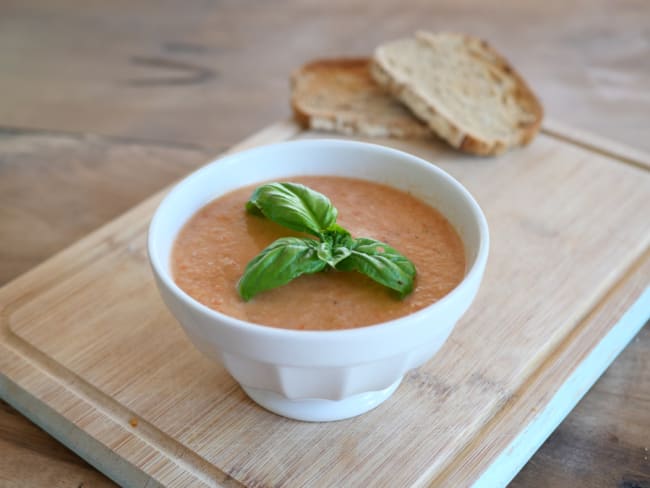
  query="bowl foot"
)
[{"x": 318, "y": 410}]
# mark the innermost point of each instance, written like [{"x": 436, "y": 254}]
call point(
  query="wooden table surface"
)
[{"x": 101, "y": 105}]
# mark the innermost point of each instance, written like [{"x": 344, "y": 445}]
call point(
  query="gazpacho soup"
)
[{"x": 212, "y": 250}]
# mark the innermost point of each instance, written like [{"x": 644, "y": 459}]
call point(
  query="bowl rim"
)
[{"x": 474, "y": 273}]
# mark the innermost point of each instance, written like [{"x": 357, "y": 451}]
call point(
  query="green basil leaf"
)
[
  {"x": 294, "y": 206},
  {"x": 382, "y": 263},
  {"x": 278, "y": 264}
]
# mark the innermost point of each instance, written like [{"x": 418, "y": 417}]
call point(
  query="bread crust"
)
[
  {"x": 340, "y": 95},
  {"x": 442, "y": 122}
]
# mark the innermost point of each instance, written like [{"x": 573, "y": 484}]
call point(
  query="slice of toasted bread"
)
[
  {"x": 462, "y": 88},
  {"x": 340, "y": 95}
]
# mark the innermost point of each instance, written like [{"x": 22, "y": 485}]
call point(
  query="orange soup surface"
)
[{"x": 213, "y": 248}]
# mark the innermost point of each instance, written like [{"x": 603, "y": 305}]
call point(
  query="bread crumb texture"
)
[
  {"x": 462, "y": 88},
  {"x": 340, "y": 95}
]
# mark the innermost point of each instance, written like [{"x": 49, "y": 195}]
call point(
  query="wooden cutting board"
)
[{"x": 89, "y": 352}]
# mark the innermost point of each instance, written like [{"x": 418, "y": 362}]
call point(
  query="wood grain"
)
[
  {"x": 193, "y": 412},
  {"x": 81, "y": 181},
  {"x": 210, "y": 74},
  {"x": 605, "y": 440},
  {"x": 56, "y": 188},
  {"x": 24, "y": 447},
  {"x": 214, "y": 73}
]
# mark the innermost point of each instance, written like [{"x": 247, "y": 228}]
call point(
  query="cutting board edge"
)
[
  {"x": 596, "y": 143},
  {"x": 619, "y": 314},
  {"x": 42, "y": 414},
  {"x": 279, "y": 131},
  {"x": 92, "y": 450},
  {"x": 275, "y": 133},
  {"x": 520, "y": 449}
]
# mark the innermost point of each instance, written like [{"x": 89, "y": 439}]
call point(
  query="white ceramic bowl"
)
[{"x": 320, "y": 375}]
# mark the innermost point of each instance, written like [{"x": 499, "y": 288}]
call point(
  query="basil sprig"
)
[{"x": 302, "y": 209}]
